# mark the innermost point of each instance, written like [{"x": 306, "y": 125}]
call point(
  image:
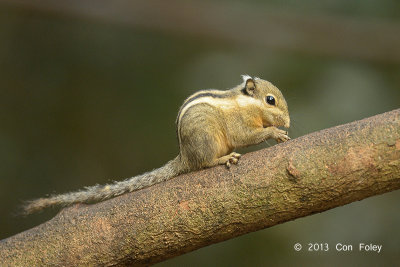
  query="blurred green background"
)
[{"x": 89, "y": 92}]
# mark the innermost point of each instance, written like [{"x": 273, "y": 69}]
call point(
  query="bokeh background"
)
[{"x": 89, "y": 92}]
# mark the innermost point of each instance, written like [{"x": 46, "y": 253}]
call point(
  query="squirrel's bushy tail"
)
[{"x": 101, "y": 192}]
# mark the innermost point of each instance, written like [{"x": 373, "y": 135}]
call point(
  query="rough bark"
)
[{"x": 310, "y": 174}]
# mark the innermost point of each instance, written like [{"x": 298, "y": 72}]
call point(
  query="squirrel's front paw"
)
[{"x": 279, "y": 135}]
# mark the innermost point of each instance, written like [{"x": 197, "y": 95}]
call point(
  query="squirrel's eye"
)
[{"x": 270, "y": 100}]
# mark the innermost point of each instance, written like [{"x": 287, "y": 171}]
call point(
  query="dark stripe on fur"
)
[{"x": 199, "y": 96}]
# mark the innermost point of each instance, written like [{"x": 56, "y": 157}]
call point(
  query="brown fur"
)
[{"x": 210, "y": 125}]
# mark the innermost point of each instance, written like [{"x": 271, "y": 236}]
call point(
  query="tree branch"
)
[{"x": 310, "y": 174}]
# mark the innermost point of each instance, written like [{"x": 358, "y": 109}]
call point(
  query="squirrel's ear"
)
[{"x": 250, "y": 85}]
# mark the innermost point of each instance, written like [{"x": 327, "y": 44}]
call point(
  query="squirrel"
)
[{"x": 210, "y": 125}]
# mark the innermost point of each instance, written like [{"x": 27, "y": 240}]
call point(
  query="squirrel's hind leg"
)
[{"x": 228, "y": 160}]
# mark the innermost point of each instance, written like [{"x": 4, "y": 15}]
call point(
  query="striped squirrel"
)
[{"x": 210, "y": 125}]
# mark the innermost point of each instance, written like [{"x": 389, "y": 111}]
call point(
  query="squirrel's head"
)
[{"x": 274, "y": 107}]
